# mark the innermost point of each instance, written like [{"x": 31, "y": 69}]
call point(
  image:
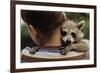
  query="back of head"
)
[{"x": 44, "y": 21}]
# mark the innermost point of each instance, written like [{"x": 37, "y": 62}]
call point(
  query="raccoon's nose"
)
[{"x": 68, "y": 42}]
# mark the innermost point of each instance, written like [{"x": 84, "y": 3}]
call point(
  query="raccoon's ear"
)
[
  {"x": 65, "y": 18},
  {"x": 81, "y": 24}
]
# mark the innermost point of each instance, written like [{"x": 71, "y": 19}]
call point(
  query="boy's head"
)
[
  {"x": 44, "y": 21},
  {"x": 71, "y": 31}
]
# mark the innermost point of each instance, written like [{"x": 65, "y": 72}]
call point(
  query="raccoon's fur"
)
[{"x": 72, "y": 37}]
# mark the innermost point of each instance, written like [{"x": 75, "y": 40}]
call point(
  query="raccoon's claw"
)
[
  {"x": 61, "y": 50},
  {"x": 64, "y": 51},
  {"x": 33, "y": 50}
]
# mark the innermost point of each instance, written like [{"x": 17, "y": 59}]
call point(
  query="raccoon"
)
[{"x": 72, "y": 37}]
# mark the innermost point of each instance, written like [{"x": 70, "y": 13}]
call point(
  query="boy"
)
[{"x": 44, "y": 28}]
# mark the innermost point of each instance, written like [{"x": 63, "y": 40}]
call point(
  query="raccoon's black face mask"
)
[{"x": 68, "y": 41}]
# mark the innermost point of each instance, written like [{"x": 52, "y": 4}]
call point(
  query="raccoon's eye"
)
[
  {"x": 73, "y": 34},
  {"x": 63, "y": 33}
]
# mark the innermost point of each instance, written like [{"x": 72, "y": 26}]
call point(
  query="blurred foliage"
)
[
  {"x": 25, "y": 38},
  {"x": 77, "y": 17}
]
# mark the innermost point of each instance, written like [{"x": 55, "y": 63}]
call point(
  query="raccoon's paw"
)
[
  {"x": 64, "y": 51},
  {"x": 81, "y": 46},
  {"x": 33, "y": 50}
]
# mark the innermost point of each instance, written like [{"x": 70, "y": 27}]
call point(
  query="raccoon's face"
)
[{"x": 71, "y": 31}]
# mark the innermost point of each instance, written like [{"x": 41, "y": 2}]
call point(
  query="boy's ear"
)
[
  {"x": 33, "y": 33},
  {"x": 81, "y": 24},
  {"x": 32, "y": 29}
]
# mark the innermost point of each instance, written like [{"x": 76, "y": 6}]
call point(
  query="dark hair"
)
[{"x": 44, "y": 21}]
